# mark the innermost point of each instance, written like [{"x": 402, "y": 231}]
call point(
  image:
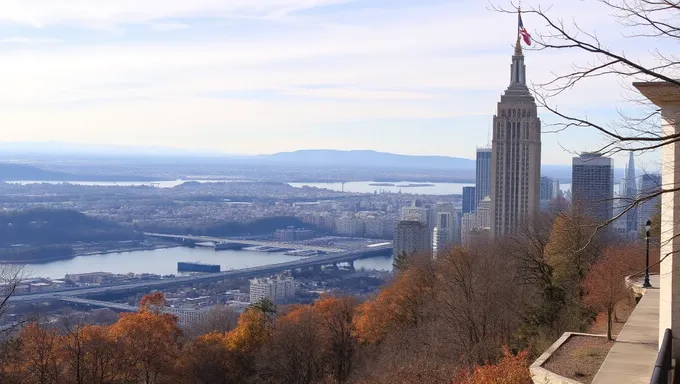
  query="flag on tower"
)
[{"x": 523, "y": 31}]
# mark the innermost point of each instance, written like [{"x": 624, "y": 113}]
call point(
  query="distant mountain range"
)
[
  {"x": 23, "y": 172},
  {"x": 365, "y": 158},
  {"x": 314, "y": 158}
]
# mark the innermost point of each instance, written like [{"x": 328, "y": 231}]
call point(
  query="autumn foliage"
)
[
  {"x": 510, "y": 369},
  {"x": 455, "y": 319}
]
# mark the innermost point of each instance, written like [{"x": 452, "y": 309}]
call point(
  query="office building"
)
[
  {"x": 483, "y": 173},
  {"x": 547, "y": 189},
  {"x": 515, "y": 154},
  {"x": 278, "y": 289},
  {"x": 411, "y": 237},
  {"x": 469, "y": 200},
  {"x": 445, "y": 230},
  {"x": 414, "y": 213},
  {"x": 477, "y": 222},
  {"x": 592, "y": 185},
  {"x": 649, "y": 185}
]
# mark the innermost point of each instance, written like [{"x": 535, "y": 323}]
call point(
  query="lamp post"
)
[{"x": 648, "y": 228}]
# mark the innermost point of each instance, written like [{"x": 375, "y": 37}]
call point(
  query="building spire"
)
[
  {"x": 518, "y": 43},
  {"x": 518, "y": 47}
]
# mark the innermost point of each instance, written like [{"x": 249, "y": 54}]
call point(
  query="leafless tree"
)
[{"x": 11, "y": 276}]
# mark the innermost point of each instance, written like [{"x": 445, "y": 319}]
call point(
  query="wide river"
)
[
  {"x": 164, "y": 261},
  {"x": 352, "y": 186}
]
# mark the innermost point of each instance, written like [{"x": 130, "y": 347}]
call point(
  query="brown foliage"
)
[
  {"x": 511, "y": 369},
  {"x": 478, "y": 301},
  {"x": 208, "y": 360},
  {"x": 401, "y": 304},
  {"x": 39, "y": 357},
  {"x": 149, "y": 343},
  {"x": 605, "y": 286}
]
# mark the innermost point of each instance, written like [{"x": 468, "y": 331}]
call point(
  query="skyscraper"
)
[
  {"x": 629, "y": 193},
  {"x": 469, "y": 200},
  {"x": 411, "y": 237},
  {"x": 483, "y": 180},
  {"x": 443, "y": 232},
  {"x": 547, "y": 189},
  {"x": 515, "y": 154},
  {"x": 592, "y": 185},
  {"x": 649, "y": 184}
]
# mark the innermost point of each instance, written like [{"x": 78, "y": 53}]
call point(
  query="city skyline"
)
[{"x": 279, "y": 76}]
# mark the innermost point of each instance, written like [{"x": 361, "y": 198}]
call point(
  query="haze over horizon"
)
[{"x": 283, "y": 75}]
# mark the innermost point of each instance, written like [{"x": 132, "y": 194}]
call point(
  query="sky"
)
[{"x": 264, "y": 76}]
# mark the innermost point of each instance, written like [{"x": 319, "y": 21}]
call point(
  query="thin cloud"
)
[
  {"x": 168, "y": 27},
  {"x": 29, "y": 40}
]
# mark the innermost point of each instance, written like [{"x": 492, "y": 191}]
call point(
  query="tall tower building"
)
[
  {"x": 649, "y": 185},
  {"x": 411, "y": 237},
  {"x": 469, "y": 200},
  {"x": 483, "y": 180},
  {"x": 515, "y": 153},
  {"x": 629, "y": 193},
  {"x": 592, "y": 185}
]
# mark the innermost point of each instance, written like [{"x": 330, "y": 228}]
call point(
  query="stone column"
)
[{"x": 667, "y": 97}]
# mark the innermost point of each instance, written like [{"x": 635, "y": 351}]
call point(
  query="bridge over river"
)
[{"x": 264, "y": 270}]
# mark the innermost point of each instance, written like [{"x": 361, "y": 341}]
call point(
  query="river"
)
[
  {"x": 353, "y": 186},
  {"x": 164, "y": 261}
]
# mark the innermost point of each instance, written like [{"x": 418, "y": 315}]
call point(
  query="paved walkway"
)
[{"x": 633, "y": 355}]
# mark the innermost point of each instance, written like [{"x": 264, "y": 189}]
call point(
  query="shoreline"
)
[{"x": 94, "y": 253}]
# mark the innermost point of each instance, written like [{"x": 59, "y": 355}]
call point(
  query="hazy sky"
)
[{"x": 262, "y": 76}]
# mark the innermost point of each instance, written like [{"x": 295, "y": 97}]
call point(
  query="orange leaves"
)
[
  {"x": 153, "y": 302},
  {"x": 253, "y": 330},
  {"x": 400, "y": 304},
  {"x": 511, "y": 369}
]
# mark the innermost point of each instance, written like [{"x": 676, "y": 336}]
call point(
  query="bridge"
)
[
  {"x": 99, "y": 303},
  {"x": 309, "y": 262},
  {"x": 241, "y": 242}
]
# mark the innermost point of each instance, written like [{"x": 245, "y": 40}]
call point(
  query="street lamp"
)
[{"x": 648, "y": 228}]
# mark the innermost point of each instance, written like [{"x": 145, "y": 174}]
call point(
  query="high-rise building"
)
[
  {"x": 414, "y": 212},
  {"x": 649, "y": 185},
  {"x": 445, "y": 229},
  {"x": 278, "y": 290},
  {"x": 628, "y": 194},
  {"x": 411, "y": 237},
  {"x": 483, "y": 170},
  {"x": 475, "y": 222},
  {"x": 592, "y": 185},
  {"x": 547, "y": 189},
  {"x": 484, "y": 214},
  {"x": 469, "y": 200},
  {"x": 515, "y": 154}
]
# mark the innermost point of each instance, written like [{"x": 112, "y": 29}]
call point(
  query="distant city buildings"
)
[
  {"x": 649, "y": 185},
  {"x": 516, "y": 154},
  {"x": 278, "y": 289},
  {"x": 292, "y": 234},
  {"x": 474, "y": 224},
  {"x": 483, "y": 172},
  {"x": 414, "y": 213},
  {"x": 469, "y": 200},
  {"x": 411, "y": 236},
  {"x": 592, "y": 188}
]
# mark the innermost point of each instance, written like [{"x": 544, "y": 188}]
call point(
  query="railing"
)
[{"x": 663, "y": 367}]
